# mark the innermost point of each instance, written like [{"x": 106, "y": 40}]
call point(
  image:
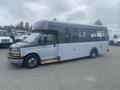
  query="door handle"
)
[{"x": 54, "y": 45}]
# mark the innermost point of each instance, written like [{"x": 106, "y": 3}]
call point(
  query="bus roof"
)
[{"x": 46, "y": 24}]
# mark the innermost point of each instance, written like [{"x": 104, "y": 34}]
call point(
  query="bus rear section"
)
[{"x": 78, "y": 43}]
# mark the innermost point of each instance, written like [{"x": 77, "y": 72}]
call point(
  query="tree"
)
[
  {"x": 54, "y": 19},
  {"x": 119, "y": 23},
  {"x": 20, "y": 25},
  {"x": 98, "y": 22},
  {"x": 27, "y": 25},
  {"x": 0, "y": 27},
  {"x": 8, "y": 28}
]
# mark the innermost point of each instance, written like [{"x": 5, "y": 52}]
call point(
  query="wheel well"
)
[
  {"x": 94, "y": 49},
  {"x": 32, "y": 54}
]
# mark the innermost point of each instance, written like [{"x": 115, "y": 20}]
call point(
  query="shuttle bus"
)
[{"x": 53, "y": 41}]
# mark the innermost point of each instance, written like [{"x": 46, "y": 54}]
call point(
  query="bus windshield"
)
[
  {"x": 3, "y": 34},
  {"x": 32, "y": 38}
]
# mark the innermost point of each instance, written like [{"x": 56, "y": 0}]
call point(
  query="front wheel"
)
[{"x": 31, "y": 61}]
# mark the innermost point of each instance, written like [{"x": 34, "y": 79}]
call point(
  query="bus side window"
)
[
  {"x": 101, "y": 35},
  {"x": 67, "y": 36},
  {"x": 80, "y": 35},
  {"x": 74, "y": 35},
  {"x": 93, "y": 35},
  {"x": 48, "y": 39},
  {"x": 86, "y": 35}
]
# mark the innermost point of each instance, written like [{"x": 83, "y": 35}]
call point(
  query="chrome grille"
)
[{"x": 5, "y": 40}]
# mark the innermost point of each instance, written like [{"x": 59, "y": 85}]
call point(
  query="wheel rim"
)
[{"x": 32, "y": 62}]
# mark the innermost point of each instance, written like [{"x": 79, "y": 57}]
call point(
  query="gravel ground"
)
[{"x": 102, "y": 73}]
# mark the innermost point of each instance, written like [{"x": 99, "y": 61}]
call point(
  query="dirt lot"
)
[{"x": 102, "y": 73}]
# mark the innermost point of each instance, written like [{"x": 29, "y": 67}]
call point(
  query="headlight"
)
[{"x": 15, "y": 52}]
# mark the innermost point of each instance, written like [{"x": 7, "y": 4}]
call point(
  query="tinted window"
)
[
  {"x": 93, "y": 35},
  {"x": 70, "y": 35},
  {"x": 80, "y": 35},
  {"x": 67, "y": 35},
  {"x": 101, "y": 35},
  {"x": 48, "y": 39},
  {"x": 86, "y": 35},
  {"x": 75, "y": 35}
]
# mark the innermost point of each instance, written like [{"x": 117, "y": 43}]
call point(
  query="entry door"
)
[{"x": 50, "y": 49}]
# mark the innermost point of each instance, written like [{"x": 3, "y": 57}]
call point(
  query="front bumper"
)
[{"x": 17, "y": 61}]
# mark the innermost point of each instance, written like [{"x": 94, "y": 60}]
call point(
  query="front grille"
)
[{"x": 5, "y": 40}]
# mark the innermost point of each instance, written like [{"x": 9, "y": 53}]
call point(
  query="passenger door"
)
[{"x": 49, "y": 48}]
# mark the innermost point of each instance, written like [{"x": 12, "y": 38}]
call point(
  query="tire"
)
[
  {"x": 94, "y": 53},
  {"x": 111, "y": 43},
  {"x": 31, "y": 61},
  {"x": 118, "y": 44}
]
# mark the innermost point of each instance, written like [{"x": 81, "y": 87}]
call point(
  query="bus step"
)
[{"x": 49, "y": 61}]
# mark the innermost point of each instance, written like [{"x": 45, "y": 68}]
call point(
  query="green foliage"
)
[
  {"x": 21, "y": 25},
  {"x": 98, "y": 22}
]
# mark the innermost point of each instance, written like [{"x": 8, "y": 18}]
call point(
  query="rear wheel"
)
[
  {"x": 118, "y": 44},
  {"x": 31, "y": 61},
  {"x": 93, "y": 53},
  {"x": 111, "y": 43}
]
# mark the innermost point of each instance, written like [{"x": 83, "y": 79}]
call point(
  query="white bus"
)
[{"x": 56, "y": 41}]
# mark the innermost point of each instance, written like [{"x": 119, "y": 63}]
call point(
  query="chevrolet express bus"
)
[{"x": 53, "y": 41}]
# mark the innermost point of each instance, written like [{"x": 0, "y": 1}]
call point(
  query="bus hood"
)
[{"x": 21, "y": 45}]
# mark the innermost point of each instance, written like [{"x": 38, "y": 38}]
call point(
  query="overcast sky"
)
[{"x": 78, "y": 11}]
